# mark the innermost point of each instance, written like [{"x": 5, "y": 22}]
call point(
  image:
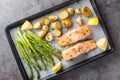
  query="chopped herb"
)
[
  {"x": 73, "y": 49},
  {"x": 78, "y": 49},
  {"x": 68, "y": 43}
]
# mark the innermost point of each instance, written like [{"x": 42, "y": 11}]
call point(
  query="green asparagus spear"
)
[
  {"x": 25, "y": 58},
  {"x": 44, "y": 44},
  {"x": 33, "y": 49},
  {"x": 31, "y": 61},
  {"x": 20, "y": 36}
]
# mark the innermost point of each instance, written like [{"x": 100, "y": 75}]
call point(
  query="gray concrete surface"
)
[{"x": 106, "y": 68}]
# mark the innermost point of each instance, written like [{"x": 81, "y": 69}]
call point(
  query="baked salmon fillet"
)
[
  {"x": 74, "y": 36},
  {"x": 78, "y": 49}
]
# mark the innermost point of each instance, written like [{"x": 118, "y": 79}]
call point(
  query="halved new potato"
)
[
  {"x": 37, "y": 25},
  {"x": 86, "y": 11},
  {"x": 79, "y": 21},
  {"x": 71, "y": 11},
  {"x": 26, "y": 26},
  {"x": 77, "y": 11},
  {"x": 67, "y": 22},
  {"x": 57, "y": 32},
  {"x": 41, "y": 34},
  {"x": 53, "y": 18},
  {"x": 56, "y": 25},
  {"x": 45, "y": 21},
  {"x": 45, "y": 28},
  {"x": 49, "y": 37},
  {"x": 63, "y": 14}
]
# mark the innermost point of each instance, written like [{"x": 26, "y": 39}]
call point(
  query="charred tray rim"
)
[{"x": 16, "y": 24}]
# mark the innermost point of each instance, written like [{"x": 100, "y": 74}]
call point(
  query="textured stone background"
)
[{"x": 106, "y": 68}]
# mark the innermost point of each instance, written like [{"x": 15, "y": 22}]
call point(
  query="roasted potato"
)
[
  {"x": 45, "y": 28},
  {"x": 64, "y": 14},
  {"x": 71, "y": 11},
  {"x": 26, "y": 26},
  {"x": 53, "y": 18},
  {"x": 67, "y": 22},
  {"x": 56, "y": 25},
  {"x": 45, "y": 21},
  {"x": 86, "y": 11},
  {"x": 37, "y": 25},
  {"x": 41, "y": 34},
  {"x": 57, "y": 32},
  {"x": 79, "y": 21},
  {"x": 49, "y": 37},
  {"x": 77, "y": 11}
]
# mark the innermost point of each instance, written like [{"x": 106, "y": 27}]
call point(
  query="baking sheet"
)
[{"x": 97, "y": 33}]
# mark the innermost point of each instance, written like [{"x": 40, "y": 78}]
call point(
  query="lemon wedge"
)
[
  {"x": 57, "y": 67},
  {"x": 102, "y": 43},
  {"x": 93, "y": 21}
]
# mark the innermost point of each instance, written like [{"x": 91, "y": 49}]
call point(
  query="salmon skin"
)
[
  {"x": 74, "y": 36},
  {"x": 78, "y": 49}
]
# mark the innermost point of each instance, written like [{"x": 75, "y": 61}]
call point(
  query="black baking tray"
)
[{"x": 16, "y": 24}]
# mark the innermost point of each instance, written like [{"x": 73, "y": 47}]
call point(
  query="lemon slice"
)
[
  {"x": 57, "y": 67},
  {"x": 102, "y": 43},
  {"x": 93, "y": 21}
]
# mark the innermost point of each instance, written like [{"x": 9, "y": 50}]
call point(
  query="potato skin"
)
[
  {"x": 37, "y": 25},
  {"x": 49, "y": 37},
  {"x": 57, "y": 32},
  {"x": 45, "y": 28},
  {"x": 41, "y": 34},
  {"x": 77, "y": 11},
  {"x": 56, "y": 25},
  {"x": 86, "y": 11},
  {"x": 53, "y": 18},
  {"x": 67, "y": 22},
  {"x": 71, "y": 11},
  {"x": 45, "y": 21},
  {"x": 64, "y": 14}
]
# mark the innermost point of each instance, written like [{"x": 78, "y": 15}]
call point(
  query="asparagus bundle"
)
[{"x": 36, "y": 53}]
